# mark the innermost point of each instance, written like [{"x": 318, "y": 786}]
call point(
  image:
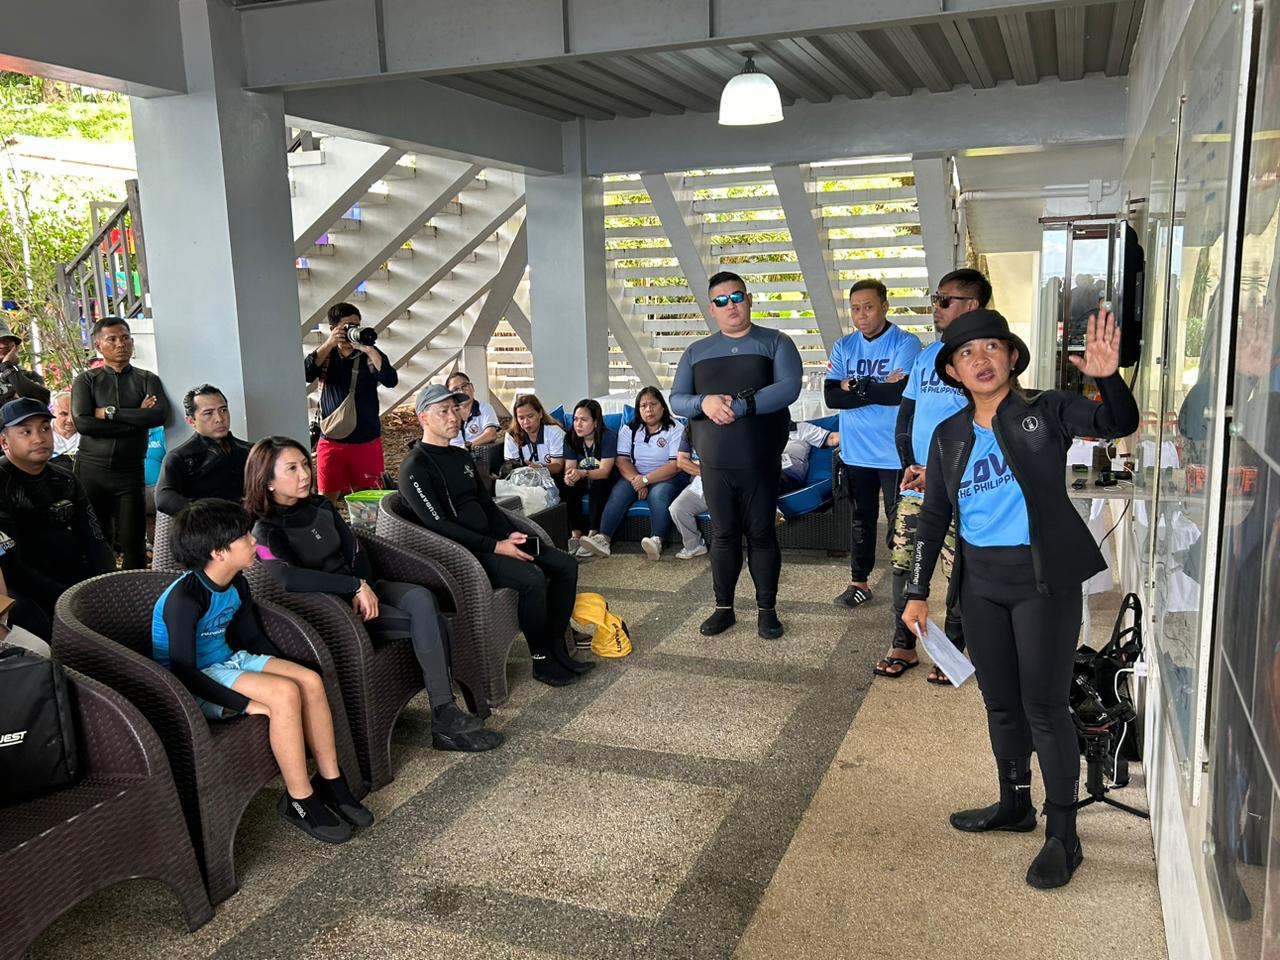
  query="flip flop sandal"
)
[
  {"x": 895, "y": 662},
  {"x": 938, "y": 678}
]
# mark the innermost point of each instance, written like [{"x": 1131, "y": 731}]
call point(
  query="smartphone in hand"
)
[{"x": 532, "y": 546}]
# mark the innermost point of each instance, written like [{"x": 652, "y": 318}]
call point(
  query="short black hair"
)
[
  {"x": 971, "y": 282},
  {"x": 204, "y": 390},
  {"x": 724, "y": 276},
  {"x": 453, "y": 376},
  {"x": 340, "y": 311},
  {"x": 875, "y": 285},
  {"x": 205, "y": 526},
  {"x": 105, "y": 322}
]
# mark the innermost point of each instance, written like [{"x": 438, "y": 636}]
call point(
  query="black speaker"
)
[{"x": 1129, "y": 272}]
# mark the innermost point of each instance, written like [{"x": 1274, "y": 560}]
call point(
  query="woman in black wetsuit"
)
[
  {"x": 308, "y": 547},
  {"x": 1000, "y": 465}
]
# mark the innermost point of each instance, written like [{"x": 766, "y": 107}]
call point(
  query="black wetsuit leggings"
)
[
  {"x": 547, "y": 588},
  {"x": 865, "y": 487},
  {"x": 744, "y": 502},
  {"x": 1023, "y": 645},
  {"x": 409, "y": 611}
]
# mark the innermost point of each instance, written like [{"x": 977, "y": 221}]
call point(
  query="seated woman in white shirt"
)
[
  {"x": 533, "y": 439},
  {"x": 478, "y": 420},
  {"x": 647, "y": 470}
]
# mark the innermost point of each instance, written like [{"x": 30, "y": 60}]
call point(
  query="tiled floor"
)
[{"x": 661, "y": 807}]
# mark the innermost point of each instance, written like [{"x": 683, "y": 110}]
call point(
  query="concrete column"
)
[
  {"x": 214, "y": 189},
  {"x": 568, "y": 292}
]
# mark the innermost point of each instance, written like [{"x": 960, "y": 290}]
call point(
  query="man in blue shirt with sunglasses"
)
[{"x": 735, "y": 388}]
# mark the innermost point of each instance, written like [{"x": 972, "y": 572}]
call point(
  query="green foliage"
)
[{"x": 37, "y": 107}]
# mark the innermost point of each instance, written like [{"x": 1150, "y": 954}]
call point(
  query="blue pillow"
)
[{"x": 613, "y": 421}]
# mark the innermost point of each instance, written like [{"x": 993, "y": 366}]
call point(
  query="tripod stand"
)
[{"x": 1097, "y": 747}]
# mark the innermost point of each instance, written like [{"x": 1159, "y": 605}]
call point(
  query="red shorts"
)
[{"x": 344, "y": 467}]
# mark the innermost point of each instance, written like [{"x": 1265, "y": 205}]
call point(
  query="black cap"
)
[
  {"x": 15, "y": 411},
  {"x": 981, "y": 324}
]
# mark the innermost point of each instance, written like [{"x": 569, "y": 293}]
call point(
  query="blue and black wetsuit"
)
[{"x": 741, "y": 462}]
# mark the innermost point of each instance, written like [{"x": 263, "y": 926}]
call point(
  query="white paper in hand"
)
[{"x": 944, "y": 654}]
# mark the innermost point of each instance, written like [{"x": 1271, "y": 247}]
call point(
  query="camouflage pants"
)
[
  {"x": 904, "y": 535},
  {"x": 903, "y": 539}
]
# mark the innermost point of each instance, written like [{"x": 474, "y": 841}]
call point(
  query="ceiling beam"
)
[
  {"x": 809, "y": 239},
  {"x": 964, "y": 44},
  {"x": 1050, "y": 112},
  {"x": 480, "y": 86},
  {"x": 290, "y": 45},
  {"x": 1068, "y": 24},
  {"x": 1125, "y": 18},
  {"x": 1017, "y": 40},
  {"x": 674, "y": 205},
  {"x": 657, "y": 81},
  {"x": 871, "y": 64},
  {"x": 593, "y": 76},
  {"x": 428, "y": 118},
  {"x": 826, "y": 59},
  {"x": 918, "y": 58}
]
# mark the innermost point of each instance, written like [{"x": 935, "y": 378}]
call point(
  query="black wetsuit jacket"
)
[
  {"x": 1034, "y": 433},
  {"x": 441, "y": 486},
  {"x": 763, "y": 372},
  {"x": 308, "y": 548},
  {"x": 119, "y": 444},
  {"x": 199, "y": 468},
  {"x": 58, "y": 539}
]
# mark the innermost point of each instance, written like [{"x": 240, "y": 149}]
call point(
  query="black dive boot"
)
[
  {"x": 1061, "y": 853},
  {"x": 1014, "y": 811}
]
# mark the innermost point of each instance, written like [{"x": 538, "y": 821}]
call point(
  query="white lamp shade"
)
[{"x": 749, "y": 99}]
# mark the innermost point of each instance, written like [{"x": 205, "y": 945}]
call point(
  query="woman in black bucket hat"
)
[{"x": 1000, "y": 466}]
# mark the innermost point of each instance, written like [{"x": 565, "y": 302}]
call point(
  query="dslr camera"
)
[{"x": 360, "y": 336}]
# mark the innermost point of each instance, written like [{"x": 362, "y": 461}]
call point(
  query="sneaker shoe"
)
[
  {"x": 572, "y": 546},
  {"x": 337, "y": 796},
  {"x": 768, "y": 626},
  {"x": 686, "y": 554},
  {"x": 582, "y": 553},
  {"x": 596, "y": 545},
  {"x": 719, "y": 621},
  {"x": 853, "y": 597},
  {"x": 652, "y": 547},
  {"x": 313, "y": 818}
]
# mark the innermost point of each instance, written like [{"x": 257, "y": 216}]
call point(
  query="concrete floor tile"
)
[
  {"x": 717, "y": 717},
  {"x": 371, "y": 937},
  {"x": 808, "y": 642},
  {"x": 604, "y": 841},
  {"x": 632, "y": 571}
]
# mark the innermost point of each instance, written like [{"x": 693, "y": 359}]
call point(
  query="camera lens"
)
[{"x": 362, "y": 335}]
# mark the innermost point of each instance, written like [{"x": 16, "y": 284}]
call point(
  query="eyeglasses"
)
[
  {"x": 944, "y": 300},
  {"x": 727, "y": 298}
]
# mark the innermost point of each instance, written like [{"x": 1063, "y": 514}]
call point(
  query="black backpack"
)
[{"x": 39, "y": 752}]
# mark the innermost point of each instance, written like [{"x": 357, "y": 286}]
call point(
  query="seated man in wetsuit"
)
[
  {"x": 208, "y": 464},
  {"x": 438, "y": 482}
]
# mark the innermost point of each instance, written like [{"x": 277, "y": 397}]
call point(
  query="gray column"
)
[
  {"x": 567, "y": 290},
  {"x": 214, "y": 189}
]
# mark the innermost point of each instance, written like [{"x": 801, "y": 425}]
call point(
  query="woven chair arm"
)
[
  {"x": 469, "y": 585},
  {"x": 391, "y": 562},
  {"x": 115, "y": 739},
  {"x": 527, "y": 526}
]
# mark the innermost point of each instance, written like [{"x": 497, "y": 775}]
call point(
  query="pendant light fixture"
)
[{"x": 750, "y": 98}]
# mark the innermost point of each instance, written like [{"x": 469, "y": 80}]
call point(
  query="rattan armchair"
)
[
  {"x": 120, "y": 822},
  {"x": 484, "y": 620},
  {"x": 102, "y": 627},
  {"x": 377, "y": 680},
  {"x": 161, "y": 550}
]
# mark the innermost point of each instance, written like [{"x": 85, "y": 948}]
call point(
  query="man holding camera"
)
[
  {"x": 46, "y": 511},
  {"x": 349, "y": 455}
]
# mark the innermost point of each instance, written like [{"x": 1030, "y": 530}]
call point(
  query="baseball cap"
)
[
  {"x": 15, "y": 411},
  {"x": 436, "y": 392},
  {"x": 7, "y": 334}
]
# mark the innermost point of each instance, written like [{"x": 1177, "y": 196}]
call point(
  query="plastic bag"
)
[{"x": 533, "y": 486}]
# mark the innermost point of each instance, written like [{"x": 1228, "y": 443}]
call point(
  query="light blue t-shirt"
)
[
  {"x": 993, "y": 511},
  {"x": 867, "y": 433},
  {"x": 935, "y": 401},
  {"x": 155, "y": 455}
]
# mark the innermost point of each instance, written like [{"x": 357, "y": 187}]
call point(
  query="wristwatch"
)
[
  {"x": 109, "y": 412},
  {"x": 644, "y": 478}
]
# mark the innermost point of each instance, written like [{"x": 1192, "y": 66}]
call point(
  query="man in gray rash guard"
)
[{"x": 735, "y": 387}]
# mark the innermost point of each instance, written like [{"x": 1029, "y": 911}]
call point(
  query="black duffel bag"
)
[{"x": 39, "y": 752}]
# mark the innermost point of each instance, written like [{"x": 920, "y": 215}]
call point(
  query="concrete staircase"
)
[{"x": 420, "y": 244}]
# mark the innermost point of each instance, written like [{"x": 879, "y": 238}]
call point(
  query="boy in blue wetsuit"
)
[
  {"x": 206, "y": 630},
  {"x": 927, "y": 401},
  {"x": 866, "y": 374}
]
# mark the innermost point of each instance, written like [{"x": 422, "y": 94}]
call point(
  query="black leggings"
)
[
  {"x": 588, "y": 518},
  {"x": 743, "y": 502},
  {"x": 548, "y": 587},
  {"x": 1023, "y": 645},
  {"x": 865, "y": 487},
  {"x": 119, "y": 500},
  {"x": 409, "y": 611}
]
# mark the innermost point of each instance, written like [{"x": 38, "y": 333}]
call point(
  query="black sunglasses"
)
[
  {"x": 727, "y": 298},
  {"x": 944, "y": 300}
]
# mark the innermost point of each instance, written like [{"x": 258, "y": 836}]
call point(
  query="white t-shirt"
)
[
  {"x": 482, "y": 418},
  {"x": 650, "y": 451},
  {"x": 801, "y": 440},
  {"x": 61, "y": 445},
  {"x": 547, "y": 446}
]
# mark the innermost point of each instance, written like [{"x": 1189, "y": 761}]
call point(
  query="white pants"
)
[{"x": 684, "y": 512}]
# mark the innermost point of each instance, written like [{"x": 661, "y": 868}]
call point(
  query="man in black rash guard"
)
[
  {"x": 208, "y": 464},
  {"x": 438, "y": 482},
  {"x": 735, "y": 387}
]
